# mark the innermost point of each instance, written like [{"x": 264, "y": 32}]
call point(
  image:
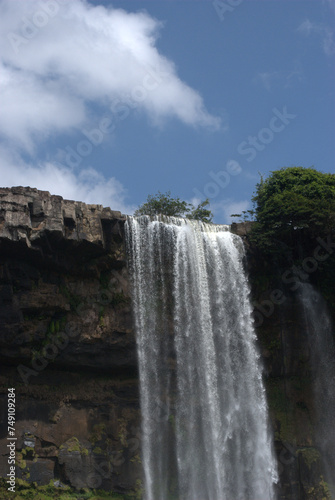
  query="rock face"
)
[
  {"x": 67, "y": 343},
  {"x": 63, "y": 266},
  {"x": 289, "y": 373},
  {"x": 68, "y": 348}
]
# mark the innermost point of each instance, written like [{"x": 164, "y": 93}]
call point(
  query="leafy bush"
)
[
  {"x": 293, "y": 204},
  {"x": 164, "y": 204}
]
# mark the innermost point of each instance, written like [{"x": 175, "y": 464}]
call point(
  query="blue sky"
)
[{"x": 107, "y": 102}]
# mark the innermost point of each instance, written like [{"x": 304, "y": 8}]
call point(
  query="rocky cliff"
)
[
  {"x": 68, "y": 348},
  {"x": 67, "y": 343},
  {"x": 287, "y": 355}
]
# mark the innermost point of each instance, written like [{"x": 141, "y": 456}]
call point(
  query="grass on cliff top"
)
[{"x": 30, "y": 491}]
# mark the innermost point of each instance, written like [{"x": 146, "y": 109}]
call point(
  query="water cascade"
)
[
  {"x": 204, "y": 415},
  {"x": 321, "y": 342}
]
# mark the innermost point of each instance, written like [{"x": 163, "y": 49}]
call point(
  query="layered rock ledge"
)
[{"x": 30, "y": 216}]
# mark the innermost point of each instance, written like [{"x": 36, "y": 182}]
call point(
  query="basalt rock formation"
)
[{"x": 68, "y": 348}]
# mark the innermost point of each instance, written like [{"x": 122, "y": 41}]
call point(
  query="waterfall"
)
[
  {"x": 321, "y": 342},
  {"x": 204, "y": 415}
]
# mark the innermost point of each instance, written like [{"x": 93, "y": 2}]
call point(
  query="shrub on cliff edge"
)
[
  {"x": 293, "y": 204},
  {"x": 164, "y": 204}
]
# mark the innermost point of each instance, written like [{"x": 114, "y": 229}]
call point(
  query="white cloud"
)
[
  {"x": 88, "y": 185},
  {"x": 286, "y": 79},
  {"x": 325, "y": 34},
  {"x": 195, "y": 201},
  {"x": 58, "y": 58},
  {"x": 64, "y": 66},
  {"x": 306, "y": 27},
  {"x": 225, "y": 208},
  {"x": 30, "y": 110}
]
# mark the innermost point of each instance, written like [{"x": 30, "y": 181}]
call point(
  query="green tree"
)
[
  {"x": 164, "y": 204},
  {"x": 293, "y": 204},
  {"x": 201, "y": 212}
]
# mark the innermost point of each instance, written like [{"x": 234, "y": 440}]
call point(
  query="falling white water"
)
[
  {"x": 204, "y": 413},
  {"x": 319, "y": 330}
]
